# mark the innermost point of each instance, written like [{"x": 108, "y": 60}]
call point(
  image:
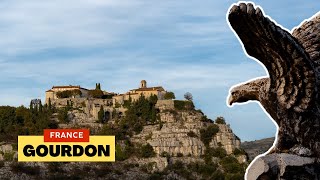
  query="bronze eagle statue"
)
[{"x": 291, "y": 92}]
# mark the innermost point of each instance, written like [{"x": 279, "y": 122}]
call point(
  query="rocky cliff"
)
[
  {"x": 257, "y": 147},
  {"x": 186, "y": 145}
]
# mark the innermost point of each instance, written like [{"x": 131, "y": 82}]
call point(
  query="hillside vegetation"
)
[{"x": 152, "y": 142}]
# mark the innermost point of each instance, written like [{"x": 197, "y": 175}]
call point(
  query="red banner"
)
[{"x": 66, "y": 135}]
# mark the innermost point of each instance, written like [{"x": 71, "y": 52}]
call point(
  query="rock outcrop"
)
[
  {"x": 283, "y": 166},
  {"x": 257, "y": 147},
  {"x": 180, "y": 134}
]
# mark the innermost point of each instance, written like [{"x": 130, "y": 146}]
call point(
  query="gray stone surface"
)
[{"x": 283, "y": 166}]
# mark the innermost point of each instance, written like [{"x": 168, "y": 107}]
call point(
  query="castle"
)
[
  {"x": 52, "y": 93},
  {"x": 133, "y": 94}
]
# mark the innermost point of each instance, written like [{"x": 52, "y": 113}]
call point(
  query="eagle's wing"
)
[
  {"x": 290, "y": 69},
  {"x": 308, "y": 35}
]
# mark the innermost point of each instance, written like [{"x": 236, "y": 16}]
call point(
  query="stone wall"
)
[
  {"x": 165, "y": 104},
  {"x": 86, "y": 109}
]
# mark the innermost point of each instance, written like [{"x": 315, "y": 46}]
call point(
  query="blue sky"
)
[{"x": 181, "y": 45}]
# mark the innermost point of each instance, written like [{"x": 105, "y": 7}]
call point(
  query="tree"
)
[
  {"x": 220, "y": 120},
  {"x": 96, "y": 93},
  {"x": 63, "y": 115},
  {"x": 49, "y": 104},
  {"x": 169, "y": 95},
  {"x": 40, "y": 107},
  {"x": 69, "y": 93},
  {"x": 147, "y": 151},
  {"x": 31, "y": 106},
  {"x": 188, "y": 96},
  {"x": 98, "y": 86},
  {"x": 101, "y": 115},
  {"x": 207, "y": 134}
]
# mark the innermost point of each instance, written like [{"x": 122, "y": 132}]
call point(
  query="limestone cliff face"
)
[{"x": 174, "y": 137}]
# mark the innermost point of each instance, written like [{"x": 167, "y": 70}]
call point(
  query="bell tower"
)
[{"x": 143, "y": 84}]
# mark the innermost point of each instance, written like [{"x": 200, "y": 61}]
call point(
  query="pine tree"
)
[
  {"x": 40, "y": 107},
  {"x": 31, "y": 106},
  {"x": 101, "y": 115},
  {"x": 49, "y": 104},
  {"x": 98, "y": 86}
]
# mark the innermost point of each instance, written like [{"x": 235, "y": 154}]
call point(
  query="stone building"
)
[
  {"x": 35, "y": 103},
  {"x": 52, "y": 93},
  {"x": 135, "y": 94}
]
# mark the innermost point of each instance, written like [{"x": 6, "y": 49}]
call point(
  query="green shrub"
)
[
  {"x": 179, "y": 155},
  {"x": 183, "y": 105},
  {"x": 204, "y": 118},
  {"x": 203, "y": 169},
  {"x": 54, "y": 167},
  {"x": 126, "y": 103},
  {"x": 192, "y": 134},
  {"x": 207, "y": 134},
  {"x": 96, "y": 93},
  {"x": 22, "y": 168},
  {"x": 231, "y": 165},
  {"x": 148, "y": 167},
  {"x": 147, "y": 151},
  {"x": 218, "y": 152},
  {"x": 239, "y": 152},
  {"x": 213, "y": 152},
  {"x": 68, "y": 93},
  {"x": 217, "y": 175},
  {"x": 165, "y": 154},
  {"x": 15, "y": 146},
  {"x": 220, "y": 120},
  {"x": 120, "y": 154},
  {"x": 169, "y": 95},
  {"x": 8, "y": 156},
  {"x": 137, "y": 128},
  {"x": 156, "y": 176},
  {"x": 101, "y": 115},
  {"x": 237, "y": 176},
  {"x": 1, "y": 164},
  {"x": 179, "y": 168},
  {"x": 63, "y": 115}
]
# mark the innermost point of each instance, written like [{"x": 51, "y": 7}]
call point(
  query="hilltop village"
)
[
  {"x": 92, "y": 101},
  {"x": 157, "y": 136}
]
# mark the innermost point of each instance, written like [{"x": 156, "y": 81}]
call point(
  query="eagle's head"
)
[{"x": 248, "y": 91}]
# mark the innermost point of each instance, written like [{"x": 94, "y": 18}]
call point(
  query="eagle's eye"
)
[{"x": 233, "y": 93}]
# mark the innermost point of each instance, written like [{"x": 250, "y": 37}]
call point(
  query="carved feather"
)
[
  {"x": 308, "y": 35},
  {"x": 291, "y": 71}
]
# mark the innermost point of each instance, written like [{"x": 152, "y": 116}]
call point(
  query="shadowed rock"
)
[{"x": 284, "y": 166}]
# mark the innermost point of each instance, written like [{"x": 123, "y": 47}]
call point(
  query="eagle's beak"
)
[{"x": 230, "y": 100}]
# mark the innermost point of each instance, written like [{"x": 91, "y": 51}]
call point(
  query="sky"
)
[{"x": 184, "y": 46}]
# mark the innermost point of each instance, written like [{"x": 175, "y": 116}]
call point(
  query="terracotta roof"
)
[
  {"x": 132, "y": 93},
  {"x": 159, "y": 88},
  {"x": 70, "y": 86},
  {"x": 49, "y": 90}
]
